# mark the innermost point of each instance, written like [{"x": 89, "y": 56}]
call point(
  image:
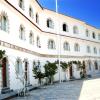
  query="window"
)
[
  {"x": 31, "y": 12},
  {"x": 87, "y": 33},
  {"x": 21, "y": 4},
  {"x": 19, "y": 66},
  {"x": 96, "y": 65},
  {"x": 22, "y": 32},
  {"x": 31, "y": 38},
  {"x": 51, "y": 44},
  {"x": 75, "y": 30},
  {"x": 50, "y": 23},
  {"x": 95, "y": 50},
  {"x": 76, "y": 47},
  {"x": 93, "y": 35},
  {"x": 65, "y": 27},
  {"x": 4, "y": 23},
  {"x": 99, "y": 36},
  {"x": 38, "y": 42},
  {"x": 37, "y": 18},
  {"x": 88, "y": 49},
  {"x": 66, "y": 46}
]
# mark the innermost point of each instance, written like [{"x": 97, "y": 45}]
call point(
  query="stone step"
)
[{"x": 6, "y": 90}]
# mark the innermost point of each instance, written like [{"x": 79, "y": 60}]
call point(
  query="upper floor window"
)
[
  {"x": 93, "y": 35},
  {"x": 76, "y": 47},
  {"x": 51, "y": 44},
  {"x": 99, "y": 36},
  {"x": 50, "y": 23},
  {"x": 21, "y": 4},
  {"x": 75, "y": 30},
  {"x": 4, "y": 23},
  {"x": 95, "y": 50},
  {"x": 87, "y": 33},
  {"x": 31, "y": 38},
  {"x": 38, "y": 42},
  {"x": 66, "y": 46},
  {"x": 37, "y": 18},
  {"x": 88, "y": 49},
  {"x": 65, "y": 27},
  {"x": 22, "y": 32},
  {"x": 31, "y": 12}
]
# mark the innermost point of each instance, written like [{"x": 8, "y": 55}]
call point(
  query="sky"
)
[{"x": 85, "y": 10}]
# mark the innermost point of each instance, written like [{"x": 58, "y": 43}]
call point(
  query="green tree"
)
[
  {"x": 37, "y": 73},
  {"x": 2, "y": 53},
  {"x": 50, "y": 71}
]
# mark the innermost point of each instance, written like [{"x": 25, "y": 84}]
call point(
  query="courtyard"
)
[{"x": 72, "y": 90}]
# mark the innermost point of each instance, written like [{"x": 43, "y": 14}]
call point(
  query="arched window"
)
[
  {"x": 95, "y": 50},
  {"x": 65, "y": 27},
  {"x": 76, "y": 47},
  {"x": 4, "y": 22},
  {"x": 21, "y": 4},
  {"x": 37, "y": 18},
  {"x": 51, "y": 44},
  {"x": 19, "y": 66},
  {"x": 38, "y": 42},
  {"x": 88, "y": 49},
  {"x": 96, "y": 65},
  {"x": 75, "y": 30},
  {"x": 22, "y": 32},
  {"x": 31, "y": 12},
  {"x": 50, "y": 23},
  {"x": 87, "y": 33},
  {"x": 93, "y": 35},
  {"x": 66, "y": 46},
  {"x": 31, "y": 38}
]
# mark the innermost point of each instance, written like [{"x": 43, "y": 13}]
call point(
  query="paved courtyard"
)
[{"x": 73, "y": 90}]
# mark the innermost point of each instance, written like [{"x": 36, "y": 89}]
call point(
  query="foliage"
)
[
  {"x": 50, "y": 70},
  {"x": 64, "y": 65},
  {"x": 2, "y": 53},
  {"x": 38, "y": 74}
]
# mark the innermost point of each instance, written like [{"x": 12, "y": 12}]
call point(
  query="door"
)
[
  {"x": 71, "y": 72},
  {"x": 26, "y": 71},
  {"x": 4, "y": 72}
]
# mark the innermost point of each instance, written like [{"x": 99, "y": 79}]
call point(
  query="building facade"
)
[{"x": 29, "y": 32}]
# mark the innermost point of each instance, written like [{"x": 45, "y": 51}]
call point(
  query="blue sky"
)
[{"x": 85, "y": 10}]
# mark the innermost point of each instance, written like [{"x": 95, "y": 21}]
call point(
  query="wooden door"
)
[
  {"x": 71, "y": 72},
  {"x": 4, "y": 72}
]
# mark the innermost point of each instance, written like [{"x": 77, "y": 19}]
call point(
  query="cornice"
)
[{"x": 21, "y": 49}]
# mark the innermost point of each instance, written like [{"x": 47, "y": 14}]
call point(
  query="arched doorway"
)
[
  {"x": 71, "y": 72},
  {"x": 4, "y": 72}
]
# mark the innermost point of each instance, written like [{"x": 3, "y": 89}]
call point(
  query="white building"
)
[{"x": 29, "y": 32}]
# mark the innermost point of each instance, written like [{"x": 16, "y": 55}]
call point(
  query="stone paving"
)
[{"x": 72, "y": 90}]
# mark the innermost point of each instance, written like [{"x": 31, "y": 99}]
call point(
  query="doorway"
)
[{"x": 4, "y": 72}]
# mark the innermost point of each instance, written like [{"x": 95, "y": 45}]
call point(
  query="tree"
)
[
  {"x": 50, "y": 71},
  {"x": 83, "y": 70},
  {"x": 64, "y": 66},
  {"x": 38, "y": 74},
  {"x": 2, "y": 53}
]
